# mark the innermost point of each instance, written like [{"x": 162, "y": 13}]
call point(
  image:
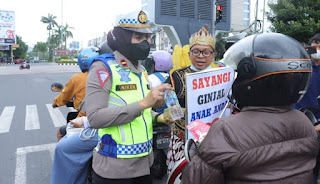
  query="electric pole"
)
[
  {"x": 256, "y": 19},
  {"x": 214, "y": 10}
]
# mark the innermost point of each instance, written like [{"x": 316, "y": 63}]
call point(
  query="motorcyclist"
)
[
  {"x": 73, "y": 153},
  {"x": 76, "y": 87},
  {"x": 267, "y": 141},
  {"x": 161, "y": 64}
]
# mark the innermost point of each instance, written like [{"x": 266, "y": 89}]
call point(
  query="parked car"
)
[{"x": 18, "y": 61}]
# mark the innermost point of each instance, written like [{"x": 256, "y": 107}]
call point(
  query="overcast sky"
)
[{"x": 89, "y": 18}]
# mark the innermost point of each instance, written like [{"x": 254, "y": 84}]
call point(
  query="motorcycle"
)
[
  {"x": 161, "y": 140},
  {"x": 22, "y": 66}
]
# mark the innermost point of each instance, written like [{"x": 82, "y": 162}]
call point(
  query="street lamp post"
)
[{"x": 61, "y": 27}]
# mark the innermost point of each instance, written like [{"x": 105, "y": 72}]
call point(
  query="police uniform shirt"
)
[{"x": 100, "y": 116}]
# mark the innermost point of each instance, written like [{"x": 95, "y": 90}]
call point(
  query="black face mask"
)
[{"x": 138, "y": 51}]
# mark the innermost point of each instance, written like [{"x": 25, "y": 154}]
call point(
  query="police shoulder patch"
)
[{"x": 103, "y": 76}]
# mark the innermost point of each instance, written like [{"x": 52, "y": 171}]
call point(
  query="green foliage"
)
[
  {"x": 56, "y": 32},
  {"x": 299, "y": 19},
  {"x": 66, "y": 61},
  {"x": 220, "y": 45},
  {"x": 40, "y": 47},
  {"x": 50, "y": 20},
  {"x": 20, "y": 52},
  {"x": 64, "y": 57}
]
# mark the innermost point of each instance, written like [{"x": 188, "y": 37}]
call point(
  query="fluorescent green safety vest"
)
[{"x": 132, "y": 139}]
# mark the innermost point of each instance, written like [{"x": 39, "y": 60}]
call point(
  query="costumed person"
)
[
  {"x": 201, "y": 54},
  {"x": 267, "y": 141},
  {"x": 73, "y": 153},
  {"x": 119, "y": 102}
]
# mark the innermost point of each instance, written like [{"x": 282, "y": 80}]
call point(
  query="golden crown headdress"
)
[{"x": 202, "y": 37}]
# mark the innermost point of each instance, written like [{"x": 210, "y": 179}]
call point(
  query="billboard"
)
[{"x": 7, "y": 28}]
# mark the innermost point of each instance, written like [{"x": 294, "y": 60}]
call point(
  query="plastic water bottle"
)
[{"x": 172, "y": 102}]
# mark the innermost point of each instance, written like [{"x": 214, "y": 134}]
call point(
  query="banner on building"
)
[
  {"x": 4, "y": 47},
  {"x": 62, "y": 52},
  {"x": 7, "y": 28},
  {"x": 207, "y": 94}
]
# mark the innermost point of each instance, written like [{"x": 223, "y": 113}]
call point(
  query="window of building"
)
[
  {"x": 246, "y": 22},
  {"x": 144, "y": 8},
  {"x": 246, "y": 15},
  {"x": 246, "y": 1},
  {"x": 246, "y": 7}
]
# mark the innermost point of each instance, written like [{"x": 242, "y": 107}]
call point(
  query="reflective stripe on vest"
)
[{"x": 133, "y": 139}]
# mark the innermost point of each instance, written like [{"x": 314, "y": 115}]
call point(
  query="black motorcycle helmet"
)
[
  {"x": 272, "y": 70},
  {"x": 104, "y": 48}
]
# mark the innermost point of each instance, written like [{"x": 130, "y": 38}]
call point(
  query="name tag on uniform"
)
[{"x": 126, "y": 87}]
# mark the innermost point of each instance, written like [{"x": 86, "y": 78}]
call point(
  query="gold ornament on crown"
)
[{"x": 202, "y": 37}]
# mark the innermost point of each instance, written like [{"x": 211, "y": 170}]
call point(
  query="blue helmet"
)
[{"x": 86, "y": 57}]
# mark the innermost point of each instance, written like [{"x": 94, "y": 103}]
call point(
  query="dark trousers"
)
[{"x": 147, "y": 179}]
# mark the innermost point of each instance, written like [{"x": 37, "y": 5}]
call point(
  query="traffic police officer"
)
[{"x": 119, "y": 102}]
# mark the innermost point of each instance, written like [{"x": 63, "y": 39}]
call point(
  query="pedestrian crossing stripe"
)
[
  {"x": 31, "y": 117},
  {"x": 56, "y": 116},
  {"x": 6, "y": 118}
]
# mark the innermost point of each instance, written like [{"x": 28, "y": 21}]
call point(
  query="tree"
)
[
  {"x": 51, "y": 23},
  {"x": 67, "y": 33},
  {"x": 220, "y": 45},
  {"x": 41, "y": 49},
  {"x": 21, "y": 51},
  {"x": 299, "y": 19},
  {"x": 50, "y": 20}
]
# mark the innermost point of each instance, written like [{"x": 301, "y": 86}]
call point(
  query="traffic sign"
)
[{"x": 15, "y": 45}]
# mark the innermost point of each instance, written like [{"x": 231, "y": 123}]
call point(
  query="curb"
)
[
  {"x": 6, "y": 64},
  {"x": 67, "y": 63}
]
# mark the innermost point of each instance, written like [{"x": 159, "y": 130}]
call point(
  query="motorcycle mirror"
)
[
  {"x": 310, "y": 115},
  {"x": 190, "y": 149},
  {"x": 56, "y": 87},
  {"x": 318, "y": 100}
]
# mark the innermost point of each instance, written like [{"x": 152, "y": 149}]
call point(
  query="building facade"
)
[{"x": 242, "y": 16}]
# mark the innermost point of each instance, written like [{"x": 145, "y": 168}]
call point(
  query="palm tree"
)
[
  {"x": 67, "y": 33},
  {"x": 50, "y": 20}
]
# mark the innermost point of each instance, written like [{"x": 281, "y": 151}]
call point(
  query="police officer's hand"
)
[
  {"x": 162, "y": 118},
  {"x": 155, "y": 96}
]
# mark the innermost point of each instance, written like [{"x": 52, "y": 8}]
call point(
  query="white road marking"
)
[
  {"x": 6, "y": 118},
  {"x": 21, "y": 153},
  {"x": 32, "y": 119},
  {"x": 56, "y": 116}
]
